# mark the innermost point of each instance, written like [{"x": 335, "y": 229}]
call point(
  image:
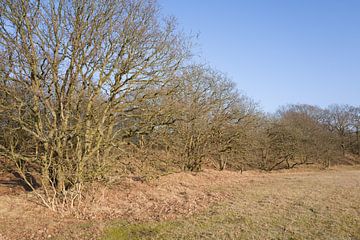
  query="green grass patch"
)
[{"x": 125, "y": 231}]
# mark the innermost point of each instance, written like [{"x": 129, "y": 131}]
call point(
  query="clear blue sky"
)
[{"x": 279, "y": 51}]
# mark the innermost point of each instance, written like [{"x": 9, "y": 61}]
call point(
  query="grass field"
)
[
  {"x": 297, "y": 204},
  {"x": 317, "y": 205}
]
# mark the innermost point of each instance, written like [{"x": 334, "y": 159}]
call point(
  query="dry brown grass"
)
[
  {"x": 283, "y": 205},
  {"x": 305, "y": 203}
]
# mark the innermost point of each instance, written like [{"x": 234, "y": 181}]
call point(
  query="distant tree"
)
[
  {"x": 355, "y": 127},
  {"x": 338, "y": 120},
  {"x": 297, "y": 137}
]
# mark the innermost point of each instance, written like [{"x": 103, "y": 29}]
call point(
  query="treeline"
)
[{"x": 91, "y": 90}]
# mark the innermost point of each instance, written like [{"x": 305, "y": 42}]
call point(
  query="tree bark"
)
[{"x": 358, "y": 140}]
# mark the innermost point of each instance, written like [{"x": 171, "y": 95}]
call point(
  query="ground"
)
[{"x": 306, "y": 203}]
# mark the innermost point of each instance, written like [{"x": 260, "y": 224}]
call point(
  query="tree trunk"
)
[
  {"x": 343, "y": 149},
  {"x": 358, "y": 140},
  {"x": 222, "y": 163}
]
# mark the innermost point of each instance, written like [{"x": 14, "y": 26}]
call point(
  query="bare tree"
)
[
  {"x": 73, "y": 72},
  {"x": 338, "y": 119},
  {"x": 355, "y": 127},
  {"x": 297, "y": 136},
  {"x": 212, "y": 121}
]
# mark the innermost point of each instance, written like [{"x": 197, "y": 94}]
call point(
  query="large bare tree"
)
[{"x": 72, "y": 73}]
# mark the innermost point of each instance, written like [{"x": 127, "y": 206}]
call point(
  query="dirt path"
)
[{"x": 300, "y": 204}]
